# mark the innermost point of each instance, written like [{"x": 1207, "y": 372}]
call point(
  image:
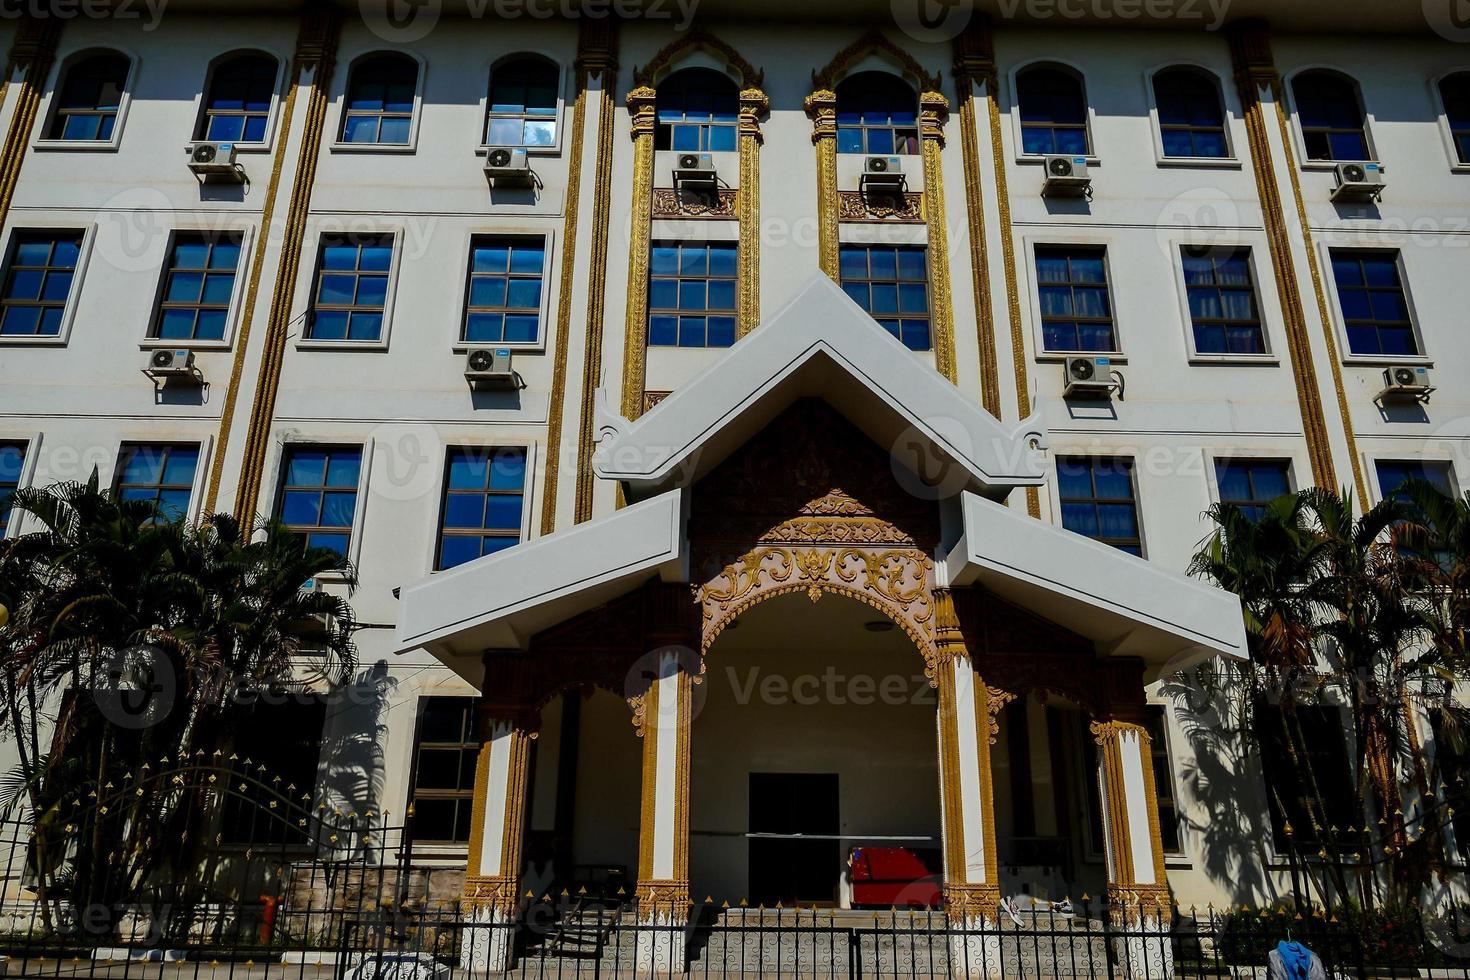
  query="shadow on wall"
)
[
  {"x": 1229, "y": 818},
  {"x": 351, "y": 774}
]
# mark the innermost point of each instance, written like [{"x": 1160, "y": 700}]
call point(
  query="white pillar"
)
[
  {"x": 663, "y": 848},
  {"x": 1138, "y": 890},
  {"x": 493, "y": 872}
]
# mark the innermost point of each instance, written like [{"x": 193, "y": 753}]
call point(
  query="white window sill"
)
[
  {"x": 1201, "y": 163},
  {"x": 1039, "y": 159},
  {"x": 465, "y": 346},
  {"x": 366, "y": 346},
  {"x": 58, "y": 341},
  {"x": 1384, "y": 360},
  {"x": 1235, "y": 360},
  {"x": 76, "y": 146},
  {"x": 157, "y": 343},
  {"x": 372, "y": 148},
  {"x": 1327, "y": 166},
  {"x": 1059, "y": 357},
  {"x": 553, "y": 150}
]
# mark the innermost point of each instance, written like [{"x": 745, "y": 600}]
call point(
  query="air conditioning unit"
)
[
  {"x": 1358, "y": 182},
  {"x": 1088, "y": 377},
  {"x": 213, "y": 160},
  {"x": 173, "y": 365},
  {"x": 695, "y": 169},
  {"x": 1404, "y": 383},
  {"x": 508, "y": 165},
  {"x": 884, "y": 174},
  {"x": 489, "y": 367},
  {"x": 1066, "y": 176}
]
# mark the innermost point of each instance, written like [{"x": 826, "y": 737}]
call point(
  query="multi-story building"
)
[{"x": 675, "y": 198}]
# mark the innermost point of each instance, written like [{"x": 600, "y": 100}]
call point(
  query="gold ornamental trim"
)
[
  {"x": 974, "y": 64},
  {"x": 986, "y": 730},
  {"x": 663, "y": 898},
  {"x": 951, "y": 796},
  {"x": 753, "y": 106},
  {"x": 933, "y": 112},
  {"x": 905, "y": 208},
  {"x": 32, "y": 52},
  {"x": 645, "y": 708},
  {"x": 669, "y": 202},
  {"x": 967, "y": 902},
  {"x": 641, "y": 108},
  {"x": 692, "y": 40},
  {"x": 477, "y": 811},
  {"x": 497, "y": 894},
  {"x": 872, "y": 42},
  {"x": 821, "y": 108}
]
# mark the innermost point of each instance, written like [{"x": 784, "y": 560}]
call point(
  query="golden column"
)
[
  {"x": 642, "y": 108},
  {"x": 821, "y": 108},
  {"x": 753, "y": 105},
  {"x": 933, "y": 112}
]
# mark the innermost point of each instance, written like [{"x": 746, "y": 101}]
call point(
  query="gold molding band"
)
[
  {"x": 316, "y": 50},
  {"x": 1115, "y": 803},
  {"x": 821, "y": 107},
  {"x": 642, "y": 108},
  {"x": 32, "y": 52},
  {"x": 753, "y": 104},
  {"x": 477, "y": 811},
  {"x": 647, "y": 804},
  {"x": 1110, "y": 736},
  {"x": 967, "y": 64},
  {"x": 950, "y": 793},
  {"x": 933, "y": 111},
  {"x": 596, "y": 275}
]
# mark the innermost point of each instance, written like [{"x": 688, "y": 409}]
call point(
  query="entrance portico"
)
[{"x": 815, "y": 462}]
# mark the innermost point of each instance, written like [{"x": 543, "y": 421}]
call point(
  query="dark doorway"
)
[{"x": 802, "y": 861}]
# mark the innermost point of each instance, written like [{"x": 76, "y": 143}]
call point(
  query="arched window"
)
[
  {"x": 1331, "y": 116},
  {"x": 91, "y": 95},
  {"x": 697, "y": 109},
  {"x": 877, "y": 113},
  {"x": 1191, "y": 116},
  {"x": 1454, "y": 91},
  {"x": 380, "y": 92},
  {"x": 522, "y": 108},
  {"x": 238, "y": 103},
  {"x": 1053, "y": 110}
]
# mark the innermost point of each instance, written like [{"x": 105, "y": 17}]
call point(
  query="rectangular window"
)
[
  {"x": 691, "y": 294},
  {"x": 351, "y": 288},
  {"x": 446, "y": 748},
  {"x": 484, "y": 494},
  {"x": 319, "y": 494},
  {"x": 1157, "y": 723},
  {"x": 1251, "y": 483},
  {"x": 1076, "y": 311},
  {"x": 503, "y": 298},
  {"x": 12, "y": 461},
  {"x": 1375, "y": 308},
  {"x": 1222, "y": 300},
  {"x": 1325, "y": 746},
  {"x": 197, "y": 287},
  {"x": 161, "y": 474},
  {"x": 38, "y": 278},
  {"x": 1098, "y": 500},
  {"x": 891, "y": 282},
  {"x": 1394, "y": 473}
]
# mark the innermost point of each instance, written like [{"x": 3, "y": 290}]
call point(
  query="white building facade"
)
[{"x": 684, "y": 364}]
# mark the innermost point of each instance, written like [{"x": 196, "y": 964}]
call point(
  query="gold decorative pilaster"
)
[
  {"x": 593, "y": 58},
  {"x": 316, "y": 52},
  {"x": 1258, "y": 82},
  {"x": 821, "y": 107},
  {"x": 658, "y": 889},
  {"x": 498, "y": 889},
  {"x": 974, "y": 66},
  {"x": 1124, "y": 887},
  {"x": 32, "y": 54},
  {"x": 753, "y": 105},
  {"x": 933, "y": 111},
  {"x": 599, "y": 61},
  {"x": 642, "y": 102}
]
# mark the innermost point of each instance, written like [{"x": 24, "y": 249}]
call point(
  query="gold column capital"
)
[
  {"x": 642, "y": 106},
  {"x": 933, "y": 112},
  {"x": 821, "y": 109},
  {"x": 1108, "y": 732},
  {"x": 753, "y": 105}
]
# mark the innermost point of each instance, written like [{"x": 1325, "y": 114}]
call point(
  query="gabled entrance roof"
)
[{"x": 821, "y": 344}]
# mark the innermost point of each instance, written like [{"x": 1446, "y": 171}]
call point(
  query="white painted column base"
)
[
  {"x": 487, "y": 943},
  {"x": 974, "y": 950},
  {"x": 1147, "y": 953},
  {"x": 661, "y": 946}
]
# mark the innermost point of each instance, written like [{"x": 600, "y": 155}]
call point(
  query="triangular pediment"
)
[{"x": 821, "y": 345}]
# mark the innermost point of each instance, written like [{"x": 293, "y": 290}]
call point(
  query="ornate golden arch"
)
[
  {"x": 698, "y": 39},
  {"x": 873, "y": 42}
]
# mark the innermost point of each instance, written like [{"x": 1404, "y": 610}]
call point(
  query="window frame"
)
[
  {"x": 555, "y": 147},
  {"x": 50, "y": 104},
  {"x": 1265, "y": 305},
  {"x": 201, "y": 102},
  {"x": 1339, "y": 319},
  {"x": 1166, "y": 723},
  {"x": 1398, "y": 456},
  {"x": 330, "y": 439},
  {"x": 529, "y": 490},
  {"x": 705, "y": 241},
  {"x": 151, "y": 341},
  {"x": 1038, "y": 336},
  {"x": 30, "y": 443},
  {"x": 69, "y": 311},
  {"x": 364, "y": 457},
  {"x": 308, "y": 288},
  {"x": 472, "y": 739},
  {"x": 1299, "y": 137},
  {"x": 1227, "y": 162},
  {"x": 340, "y": 145},
  {"x": 1018, "y": 135},
  {"x": 1055, "y": 484},
  {"x": 1213, "y": 460},
  {"x": 1442, "y": 115},
  {"x": 549, "y": 271},
  {"x": 886, "y": 241},
  {"x": 914, "y": 90},
  {"x": 196, "y": 485}
]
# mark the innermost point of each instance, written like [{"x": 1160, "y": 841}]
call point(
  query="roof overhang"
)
[
  {"x": 821, "y": 344},
  {"x": 1125, "y": 605},
  {"x": 500, "y": 602}
]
